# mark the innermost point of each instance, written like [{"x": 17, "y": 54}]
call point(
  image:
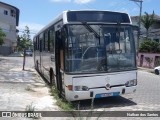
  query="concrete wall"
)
[{"x": 149, "y": 60}]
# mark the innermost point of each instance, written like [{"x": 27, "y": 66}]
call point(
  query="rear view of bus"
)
[{"x": 97, "y": 56}]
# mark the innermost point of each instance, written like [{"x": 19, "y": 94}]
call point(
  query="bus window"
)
[
  {"x": 46, "y": 41},
  {"x": 52, "y": 40},
  {"x": 34, "y": 45},
  {"x": 43, "y": 42},
  {"x": 41, "y": 38},
  {"x": 38, "y": 43}
]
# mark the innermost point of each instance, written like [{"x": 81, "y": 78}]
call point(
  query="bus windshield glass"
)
[{"x": 99, "y": 48}]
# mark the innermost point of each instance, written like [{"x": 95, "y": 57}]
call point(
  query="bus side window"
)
[
  {"x": 38, "y": 44},
  {"x": 51, "y": 40},
  {"x": 46, "y": 41},
  {"x": 34, "y": 42},
  {"x": 41, "y": 42}
]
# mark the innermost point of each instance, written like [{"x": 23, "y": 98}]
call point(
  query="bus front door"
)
[{"x": 59, "y": 61}]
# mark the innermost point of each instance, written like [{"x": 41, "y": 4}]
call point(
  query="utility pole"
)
[{"x": 139, "y": 23}]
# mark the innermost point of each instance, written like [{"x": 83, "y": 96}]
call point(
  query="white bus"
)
[{"x": 88, "y": 54}]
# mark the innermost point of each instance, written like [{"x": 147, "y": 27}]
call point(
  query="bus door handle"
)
[{"x": 52, "y": 58}]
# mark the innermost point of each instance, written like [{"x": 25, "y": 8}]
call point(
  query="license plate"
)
[{"x": 107, "y": 94}]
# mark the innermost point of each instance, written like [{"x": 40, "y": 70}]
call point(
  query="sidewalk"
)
[
  {"x": 22, "y": 89},
  {"x": 151, "y": 70}
]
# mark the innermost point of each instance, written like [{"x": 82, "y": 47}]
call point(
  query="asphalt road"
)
[{"x": 146, "y": 98}]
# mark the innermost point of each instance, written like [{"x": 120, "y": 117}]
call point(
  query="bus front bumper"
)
[{"x": 99, "y": 93}]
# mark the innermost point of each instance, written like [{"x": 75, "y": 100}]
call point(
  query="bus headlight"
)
[
  {"x": 131, "y": 83},
  {"x": 81, "y": 88}
]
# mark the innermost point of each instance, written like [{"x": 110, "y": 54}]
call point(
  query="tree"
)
[
  {"x": 2, "y": 35},
  {"x": 24, "y": 43},
  {"x": 147, "y": 21}
]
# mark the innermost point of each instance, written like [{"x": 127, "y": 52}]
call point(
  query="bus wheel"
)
[{"x": 52, "y": 82}]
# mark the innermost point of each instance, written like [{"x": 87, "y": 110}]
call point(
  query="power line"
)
[
  {"x": 120, "y": 5},
  {"x": 88, "y": 6},
  {"x": 139, "y": 23}
]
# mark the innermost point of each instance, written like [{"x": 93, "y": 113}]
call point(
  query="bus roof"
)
[{"x": 70, "y": 16}]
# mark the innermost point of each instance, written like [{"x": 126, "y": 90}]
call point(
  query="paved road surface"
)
[
  {"x": 14, "y": 82},
  {"x": 146, "y": 98}
]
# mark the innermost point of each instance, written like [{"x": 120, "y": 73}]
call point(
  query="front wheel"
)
[{"x": 156, "y": 72}]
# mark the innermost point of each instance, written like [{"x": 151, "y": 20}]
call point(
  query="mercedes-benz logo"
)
[{"x": 108, "y": 86}]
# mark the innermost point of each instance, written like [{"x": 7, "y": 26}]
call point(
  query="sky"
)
[{"x": 37, "y": 13}]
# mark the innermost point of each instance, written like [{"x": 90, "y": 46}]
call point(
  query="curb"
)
[{"x": 146, "y": 69}]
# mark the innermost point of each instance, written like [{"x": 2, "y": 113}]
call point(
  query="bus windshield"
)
[{"x": 99, "y": 48}]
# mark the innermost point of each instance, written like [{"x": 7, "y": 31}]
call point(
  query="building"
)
[
  {"x": 154, "y": 31},
  {"x": 9, "y": 20},
  {"x": 149, "y": 60}
]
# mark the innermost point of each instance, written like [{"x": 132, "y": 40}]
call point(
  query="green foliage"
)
[
  {"x": 2, "y": 35},
  {"x": 61, "y": 102},
  {"x": 147, "y": 21},
  {"x": 30, "y": 108},
  {"x": 24, "y": 41},
  {"x": 150, "y": 46}
]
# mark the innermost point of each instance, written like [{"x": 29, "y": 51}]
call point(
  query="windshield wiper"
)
[{"x": 91, "y": 29}]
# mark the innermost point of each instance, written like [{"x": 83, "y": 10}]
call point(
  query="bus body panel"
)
[
  {"x": 101, "y": 80},
  {"x": 96, "y": 83},
  {"x": 83, "y": 95},
  {"x": 46, "y": 64}
]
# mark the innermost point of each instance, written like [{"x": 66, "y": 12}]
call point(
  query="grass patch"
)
[
  {"x": 30, "y": 108},
  {"x": 61, "y": 102},
  {"x": 28, "y": 88},
  {"x": 67, "y": 106},
  {"x": 87, "y": 115}
]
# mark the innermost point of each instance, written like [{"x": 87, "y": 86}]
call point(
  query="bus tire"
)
[{"x": 51, "y": 82}]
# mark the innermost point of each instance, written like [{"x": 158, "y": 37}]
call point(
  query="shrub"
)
[{"x": 150, "y": 46}]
